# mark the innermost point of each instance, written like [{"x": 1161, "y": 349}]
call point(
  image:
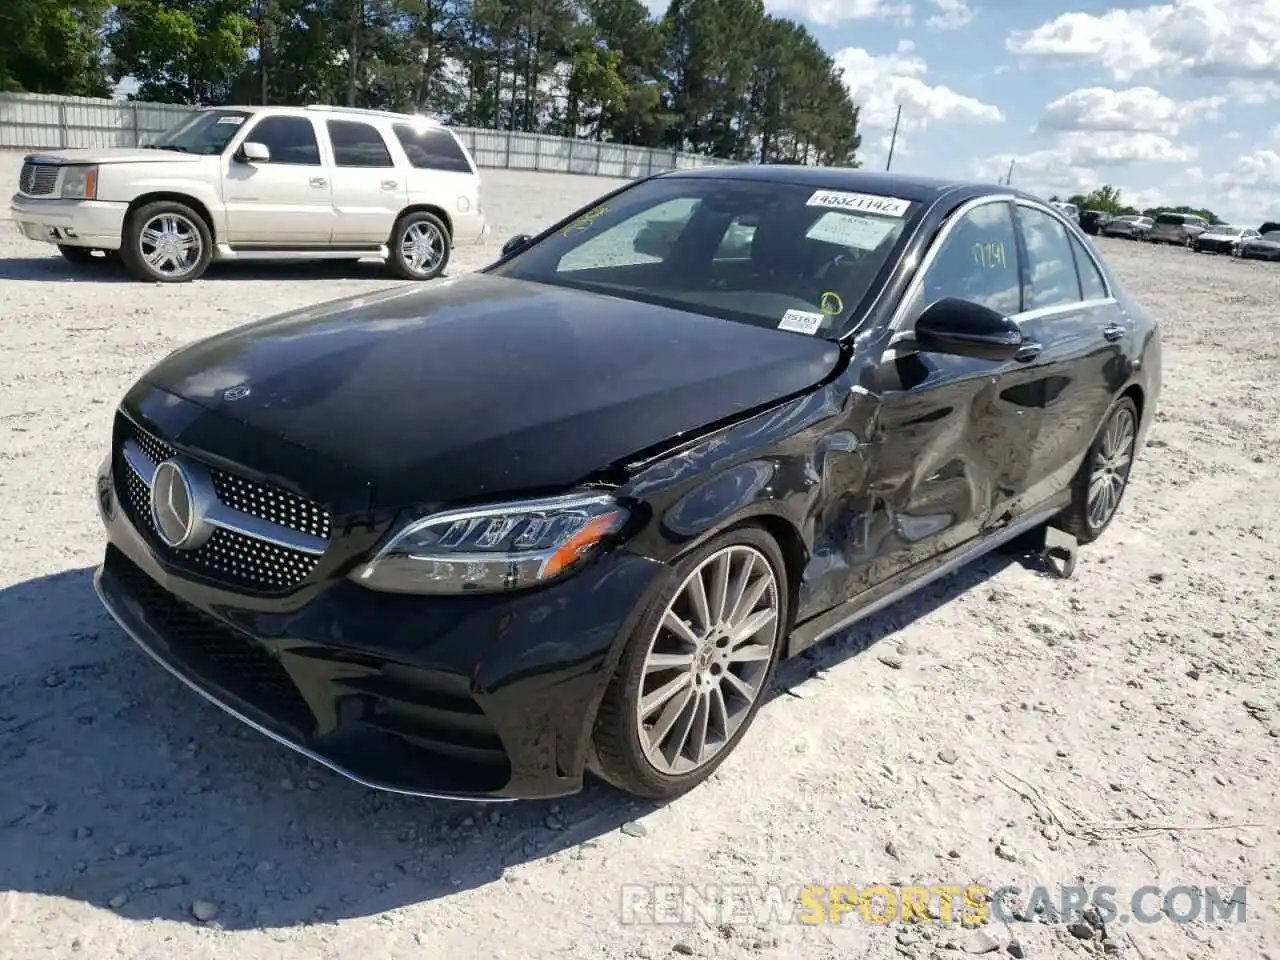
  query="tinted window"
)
[
  {"x": 1169, "y": 218},
  {"x": 813, "y": 257},
  {"x": 358, "y": 145},
  {"x": 1051, "y": 268},
  {"x": 432, "y": 149},
  {"x": 977, "y": 261},
  {"x": 290, "y": 140},
  {"x": 1091, "y": 282}
]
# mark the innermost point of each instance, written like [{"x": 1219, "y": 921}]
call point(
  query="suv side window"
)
[
  {"x": 291, "y": 140},
  {"x": 1051, "y": 267},
  {"x": 432, "y": 149},
  {"x": 357, "y": 144},
  {"x": 1092, "y": 286},
  {"x": 977, "y": 261}
]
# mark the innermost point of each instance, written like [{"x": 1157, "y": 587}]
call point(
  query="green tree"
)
[
  {"x": 1105, "y": 198},
  {"x": 181, "y": 51},
  {"x": 53, "y": 46}
]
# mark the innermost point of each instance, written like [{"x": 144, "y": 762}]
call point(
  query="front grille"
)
[
  {"x": 230, "y": 557},
  {"x": 38, "y": 179},
  {"x": 216, "y": 652}
]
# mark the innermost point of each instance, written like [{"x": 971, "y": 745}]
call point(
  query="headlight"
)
[
  {"x": 80, "y": 183},
  {"x": 495, "y": 548}
]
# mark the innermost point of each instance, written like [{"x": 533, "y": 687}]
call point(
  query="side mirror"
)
[
  {"x": 253, "y": 152},
  {"x": 515, "y": 243},
  {"x": 963, "y": 328}
]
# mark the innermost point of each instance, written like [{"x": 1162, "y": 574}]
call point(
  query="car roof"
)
[
  {"x": 312, "y": 109},
  {"x": 903, "y": 186}
]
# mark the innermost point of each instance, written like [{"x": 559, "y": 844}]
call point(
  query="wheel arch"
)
[
  {"x": 431, "y": 208},
  {"x": 171, "y": 196}
]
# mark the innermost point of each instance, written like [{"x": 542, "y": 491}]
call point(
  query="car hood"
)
[
  {"x": 1219, "y": 236},
  {"x": 483, "y": 386},
  {"x": 110, "y": 155}
]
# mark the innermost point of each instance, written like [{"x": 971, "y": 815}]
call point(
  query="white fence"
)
[{"x": 40, "y": 122}]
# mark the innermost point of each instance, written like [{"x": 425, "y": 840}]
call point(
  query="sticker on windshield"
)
[
  {"x": 234, "y": 121},
  {"x": 860, "y": 202},
  {"x": 801, "y": 321},
  {"x": 861, "y": 233}
]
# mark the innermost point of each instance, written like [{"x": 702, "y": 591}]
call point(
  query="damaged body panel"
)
[{"x": 476, "y": 538}]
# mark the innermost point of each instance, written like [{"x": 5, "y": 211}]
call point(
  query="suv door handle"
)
[
  {"x": 1112, "y": 332},
  {"x": 389, "y": 184},
  {"x": 1028, "y": 351},
  {"x": 319, "y": 182}
]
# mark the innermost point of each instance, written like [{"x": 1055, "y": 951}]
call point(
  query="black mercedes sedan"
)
[
  {"x": 567, "y": 514},
  {"x": 1263, "y": 247}
]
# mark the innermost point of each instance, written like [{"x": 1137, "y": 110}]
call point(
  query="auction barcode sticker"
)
[
  {"x": 862, "y": 202},
  {"x": 801, "y": 321}
]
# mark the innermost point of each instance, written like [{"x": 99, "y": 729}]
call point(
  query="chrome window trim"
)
[{"x": 899, "y": 315}]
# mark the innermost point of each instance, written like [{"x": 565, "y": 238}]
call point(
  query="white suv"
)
[{"x": 256, "y": 183}]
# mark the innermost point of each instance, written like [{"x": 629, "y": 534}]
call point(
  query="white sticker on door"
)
[
  {"x": 860, "y": 202},
  {"x": 801, "y": 321}
]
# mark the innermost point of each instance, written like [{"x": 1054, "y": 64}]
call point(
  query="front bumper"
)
[
  {"x": 487, "y": 697},
  {"x": 77, "y": 223},
  {"x": 1214, "y": 246}
]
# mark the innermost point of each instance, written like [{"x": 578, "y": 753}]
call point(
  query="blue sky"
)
[{"x": 1173, "y": 103}]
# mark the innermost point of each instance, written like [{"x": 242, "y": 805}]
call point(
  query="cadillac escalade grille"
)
[{"x": 37, "y": 179}]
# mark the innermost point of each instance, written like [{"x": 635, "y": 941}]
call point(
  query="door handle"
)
[
  {"x": 319, "y": 182},
  {"x": 1028, "y": 351},
  {"x": 389, "y": 184},
  {"x": 1113, "y": 332}
]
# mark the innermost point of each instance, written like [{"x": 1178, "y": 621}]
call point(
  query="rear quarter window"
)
[{"x": 432, "y": 149}]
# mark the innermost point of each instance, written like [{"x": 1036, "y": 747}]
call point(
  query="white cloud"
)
[
  {"x": 951, "y": 15},
  {"x": 1137, "y": 109},
  {"x": 1044, "y": 171},
  {"x": 1257, "y": 169},
  {"x": 878, "y": 84},
  {"x": 831, "y": 12},
  {"x": 1253, "y": 91},
  {"x": 1226, "y": 38},
  {"x": 1232, "y": 135},
  {"x": 1089, "y": 149}
]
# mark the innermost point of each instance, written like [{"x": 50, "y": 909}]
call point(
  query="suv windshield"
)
[
  {"x": 206, "y": 132},
  {"x": 772, "y": 254}
]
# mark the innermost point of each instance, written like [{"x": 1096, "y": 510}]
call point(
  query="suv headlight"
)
[
  {"x": 493, "y": 548},
  {"x": 80, "y": 183}
]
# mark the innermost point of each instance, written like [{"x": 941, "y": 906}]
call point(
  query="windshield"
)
[
  {"x": 206, "y": 132},
  {"x": 1228, "y": 231},
  {"x": 772, "y": 254}
]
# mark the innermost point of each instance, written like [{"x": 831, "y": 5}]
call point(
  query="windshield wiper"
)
[{"x": 167, "y": 146}]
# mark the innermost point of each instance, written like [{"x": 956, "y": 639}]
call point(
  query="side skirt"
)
[{"x": 883, "y": 595}]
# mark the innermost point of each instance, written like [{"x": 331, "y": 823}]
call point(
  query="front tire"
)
[
  {"x": 419, "y": 247},
  {"x": 696, "y": 668},
  {"x": 1100, "y": 483},
  {"x": 166, "y": 242}
]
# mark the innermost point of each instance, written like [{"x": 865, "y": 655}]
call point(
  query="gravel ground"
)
[{"x": 1140, "y": 700}]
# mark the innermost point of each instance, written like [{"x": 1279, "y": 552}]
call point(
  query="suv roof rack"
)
[{"x": 365, "y": 111}]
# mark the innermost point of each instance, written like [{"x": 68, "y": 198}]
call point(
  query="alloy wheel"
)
[
  {"x": 1111, "y": 464},
  {"x": 708, "y": 660},
  {"x": 422, "y": 245},
  {"x": 170, "y": 245}
]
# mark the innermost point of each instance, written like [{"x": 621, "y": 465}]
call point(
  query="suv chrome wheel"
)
[
  {"x": 170, "y": 245},
  {"x": 708, "y": 660}
]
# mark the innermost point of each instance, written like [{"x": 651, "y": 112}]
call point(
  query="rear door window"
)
[{"x": 358, "y": 145}]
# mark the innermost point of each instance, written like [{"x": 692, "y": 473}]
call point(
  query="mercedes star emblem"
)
[{"x": 178, "y": 504}]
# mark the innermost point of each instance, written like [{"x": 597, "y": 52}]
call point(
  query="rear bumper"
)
[
  {"x": 76, "y": 223},
  {"x": 482, "y": 698}
]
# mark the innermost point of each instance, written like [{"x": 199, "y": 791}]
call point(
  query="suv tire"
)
[
  {"x": 166, "y": 242},
  {"x": 419, "y": 247}
]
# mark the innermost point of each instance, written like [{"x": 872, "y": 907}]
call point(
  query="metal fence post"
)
[
  {"x": 507, "y": 162},
  {"x": 568, "y": 164},
  {"x": 137, "y": 131},
  {"x": 62, "y": 124},
  {"x": 537, "y": 152}
]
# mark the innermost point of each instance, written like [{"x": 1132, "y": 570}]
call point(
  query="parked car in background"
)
[
  {"x": 1269, "y": 227},
  {"x": 1264, "y": 247},
  {"x": 1092, "y": 221},
  {"x": 1222, "y": 239},
  {"x": 1177, "y": 228},
  {"x": 253, "y": 183},
  {"x": 1129, "y": 226},
  {"x": 569, "y": 512},
  {"x": 1070, "y": 209}
]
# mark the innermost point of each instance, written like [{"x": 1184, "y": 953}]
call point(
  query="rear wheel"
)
[
  {"x": 696, "y": 669},
  {"x": 1100, "y": 483},
  {"x": 419, "y": 247}
]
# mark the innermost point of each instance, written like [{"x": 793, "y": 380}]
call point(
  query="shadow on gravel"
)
[
  {"x": 57, "y": 270},
  {"x": 123, "y": 789}
]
